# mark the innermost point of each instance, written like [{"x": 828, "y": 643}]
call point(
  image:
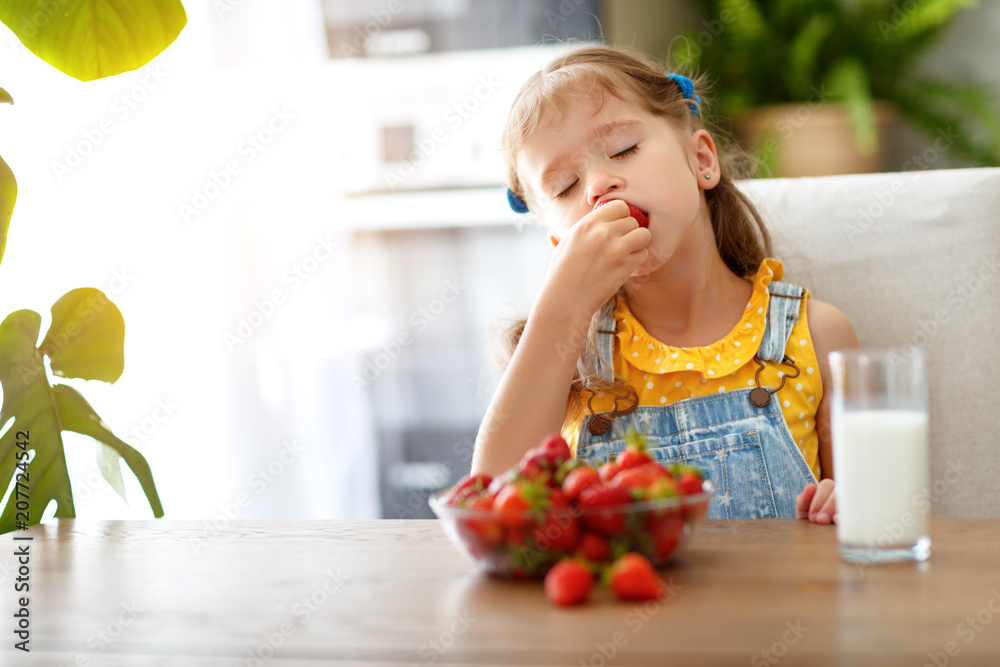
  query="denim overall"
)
[{"x": 747, "y": 451}]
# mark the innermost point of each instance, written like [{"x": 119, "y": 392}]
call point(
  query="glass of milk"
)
[{"x": 880, "y": 454}]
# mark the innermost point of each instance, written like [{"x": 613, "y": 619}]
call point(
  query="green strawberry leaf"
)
[
  {"x": 635, "y": 439},
  {"x": 93, "y": 39}
]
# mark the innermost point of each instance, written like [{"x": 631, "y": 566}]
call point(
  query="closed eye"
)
[
  {"x": 625, "y": 153},
  {"x": 566, "y": 192}
]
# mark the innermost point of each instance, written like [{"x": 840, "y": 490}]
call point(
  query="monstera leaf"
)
[
  {"x": 86, "y": 340},
  {"x": 8, "y": 189},
  {"x": 92, "y": 39}
]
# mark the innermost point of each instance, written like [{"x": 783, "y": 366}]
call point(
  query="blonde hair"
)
[{"x": 740, "y": 235}]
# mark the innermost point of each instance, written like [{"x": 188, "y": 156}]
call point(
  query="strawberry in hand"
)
[{"x": 633, "y": 211}]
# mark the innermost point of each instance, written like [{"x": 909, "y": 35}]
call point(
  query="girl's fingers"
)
[
  {"x": 823, "y": 505},
  {"x": 803, "y": 500},
  {"x": 637, "y": 239}
]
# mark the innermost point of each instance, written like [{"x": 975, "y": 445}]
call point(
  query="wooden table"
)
[{"x": 396, "y": 592}]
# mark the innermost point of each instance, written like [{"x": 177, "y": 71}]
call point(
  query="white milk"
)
[{"x": 880, "y": 463}]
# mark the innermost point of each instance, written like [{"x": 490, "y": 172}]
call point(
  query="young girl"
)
[{"x": 661, "y": 310}]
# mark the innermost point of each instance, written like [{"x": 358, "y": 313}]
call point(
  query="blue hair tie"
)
[
  {"x": 687, "y": 91},
  {"x": 516, "y": 203}
]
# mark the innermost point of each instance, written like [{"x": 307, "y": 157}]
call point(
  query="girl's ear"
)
[
  {"x": 705, "y": 159},
  {"x": 553, "y": 240}
]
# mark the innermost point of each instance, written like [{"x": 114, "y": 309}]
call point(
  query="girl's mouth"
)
[{"x": 633, "y": 210}]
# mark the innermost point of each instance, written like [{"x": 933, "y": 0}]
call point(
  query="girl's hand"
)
[
  {"x": 817, "y": 503},
  {"x": 592, "y": 261}
]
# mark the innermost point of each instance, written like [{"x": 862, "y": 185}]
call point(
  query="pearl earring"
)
[{"x": 708, "y": 176}]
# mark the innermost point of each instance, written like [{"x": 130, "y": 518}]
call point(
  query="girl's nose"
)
[{"x": 600, "y": 185}]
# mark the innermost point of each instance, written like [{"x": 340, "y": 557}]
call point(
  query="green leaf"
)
[
  {"x": 5, "y": 97},
  {"x": 926, "y": 16},
  {"x": 848, "y": 81},
  {"x": 87, "y": 337},
  {"x": 748, "y": 27},
  {"x": 28, "y": 400},
  {"x": 77, "y": 415},
  {"x": 93, "y": 39},
  {"x": 109, "y": 463},
  {"x": 939, "y": 109},
  {"x": 8, "y": 194},
  {"x": 803, "y": 52},
  {"x": 40, "y": 413}
]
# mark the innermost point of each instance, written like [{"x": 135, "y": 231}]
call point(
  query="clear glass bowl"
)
[{"x": 526, "y": 546}]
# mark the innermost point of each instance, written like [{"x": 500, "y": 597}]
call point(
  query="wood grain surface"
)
[{"x": 258, "y": 593}]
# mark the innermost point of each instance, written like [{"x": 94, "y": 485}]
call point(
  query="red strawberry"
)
[
  {"x": 568, "y": 583},
  {"x": 467, "y": 489},
  {"x": 503, "y": 479},
  {"x": 560, "y": 531},
  {"x": 520, "y": 505},
  {"x": 635, "y": 454},
  {"x": 535, "y": 468},
  {"x": 608, "y": 470},
  {"x": 665, "y": 532},
  {"x": 633, "y": 577},
  {"x": 557, "y": 448},
  {"x": 487, "y": 530},
  {"x": 632, "y": 457},
  {"x": 594, "y": 548},
  {"x": 662, "y": 488},
  {"x": 601, "y": 512},
  {"x": 512, "y": 501},
  {"x": 633, "y": 211},
  {"x": 542, "y": 461},
  {"x": 511, "y": 505},
  {"x": 579, "y": 479},
  {"x": 640, "y": 479},
  {"x": 566, "y": 467},
  {"x": 689, "y": 483}
]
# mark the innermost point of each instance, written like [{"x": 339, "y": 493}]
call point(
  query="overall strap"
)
[
  {"x": 782, "y": 314},
  {"x": 601, "y": 358}
]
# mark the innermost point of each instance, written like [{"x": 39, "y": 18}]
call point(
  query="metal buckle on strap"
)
[
  {"x": 761, "y": 397},
  {"x": 600, "y": 423}
]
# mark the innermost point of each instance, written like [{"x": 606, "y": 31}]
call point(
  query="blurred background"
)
[{"x": 299, "y": 210}]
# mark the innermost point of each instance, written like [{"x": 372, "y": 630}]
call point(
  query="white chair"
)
[{"x": 912, "y": 258}]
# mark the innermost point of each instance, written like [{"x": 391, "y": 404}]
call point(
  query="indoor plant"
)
[
  {"x": 86, "y": 39},
  {"x": 853, "y": 58}
]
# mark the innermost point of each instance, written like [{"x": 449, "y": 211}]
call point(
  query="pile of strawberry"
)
[{"x": 557, "y": 516}]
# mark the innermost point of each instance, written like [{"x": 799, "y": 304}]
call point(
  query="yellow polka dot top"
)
[{"x": 662, "y": 374}]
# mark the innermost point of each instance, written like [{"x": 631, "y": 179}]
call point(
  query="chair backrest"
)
[{"x": 912, "y": 258}]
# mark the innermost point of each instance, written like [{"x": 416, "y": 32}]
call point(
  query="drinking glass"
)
[{"x": 880, "y": 454}]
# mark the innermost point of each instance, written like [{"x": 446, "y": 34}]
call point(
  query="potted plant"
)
[
  {"x": 86, "y": 39},
  {"x": 814, "y": 80}
]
